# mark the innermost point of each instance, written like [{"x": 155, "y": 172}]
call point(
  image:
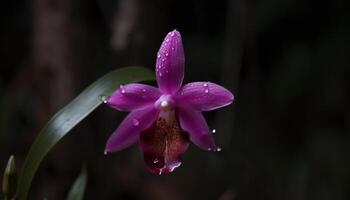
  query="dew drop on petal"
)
[
  {"x": 172, "y": 34},
  {"x": 135, "y": 122},
  {"x": 218, "y": 149},
  {"x": 205, "y": 84},
  {"x": 105, "y": 152},
  {"x": 213, "y": 131},
  {"x": 160, "y": 74},
  {"x": 143, "y": 90},
  {"x": 103, "y": 98},
  {"x": 122, "y": 90},
  {"x": 166, "y": 54},
  {"x": 209, "y": 149},
  {"x": 206, "y": 91}
]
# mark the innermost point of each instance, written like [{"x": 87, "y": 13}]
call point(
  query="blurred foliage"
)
[{"x": 78, "y": 188}]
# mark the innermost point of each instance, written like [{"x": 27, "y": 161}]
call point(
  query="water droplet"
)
[
  {"x": 213, "y": 131},
  {"x": 209, "y": 149},
  {"x": 174, "y": 166},
  {"x": 122, "y": 89},
  {"x": 218, "y": 149},
  {"x": 163, "y": 60},
  {"x": 158, "y": 56},
  {"x": 205, "y": 84},
  {"x": 164, "y": 104},
  {"x": 166, "y": 54},
  {"x": 160, "y": 74},
  {"x": 103, "y": 98},
  {"x": 167, "y": 40},
  {"x": 206, "y": 91},
  {"x": 105, "y": 152},
  {"x": 172, "y": 34},
  {"x": 135, "y": 122}
]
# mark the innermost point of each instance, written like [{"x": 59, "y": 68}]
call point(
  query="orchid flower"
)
[{"x": 166, "y": 118}]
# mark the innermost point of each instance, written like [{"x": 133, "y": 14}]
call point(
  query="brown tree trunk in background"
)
[
  {"x": 54, "y": 55},
  {"x": 55, "y": 64},
  {"x": 44, "y": 84},
  {"x": 137, "y": 29}
]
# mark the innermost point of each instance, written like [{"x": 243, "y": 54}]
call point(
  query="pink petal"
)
[
  {"x": 193, "y": 122},
  {"x": 162, "y": 145},
  {"x": 128, "y": 131},
  {"x": 170, "y": 63},
  {"x": 203, "y": 96},
  {"x": 133, "y": 96}
]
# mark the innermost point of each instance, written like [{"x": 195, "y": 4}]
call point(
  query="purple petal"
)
[
  {"x": 193, "y": 122},
  {"x": 163, "y": 144},
  {"x": 203, "y": 96},
  {"x": 128, "y": 131},
  {"x": 133, "y": 96},
  {"x": 170, "y": 63}
]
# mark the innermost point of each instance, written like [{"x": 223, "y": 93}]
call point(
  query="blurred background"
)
[{"x": 285, "y": 137}]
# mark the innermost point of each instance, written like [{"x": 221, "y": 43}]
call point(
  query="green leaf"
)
[
  {"x": 69, "y": 116},
  {"x": 78, "y": 188},
  {"x": 9, "y": 179}
]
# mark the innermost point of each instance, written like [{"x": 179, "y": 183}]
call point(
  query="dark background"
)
[{"x": 285, "y": 137}]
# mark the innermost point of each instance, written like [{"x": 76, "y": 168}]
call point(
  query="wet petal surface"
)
[
  {"x": 128, "y": 131},
  {"x": 193, "y": 122},
  {"x": 170, "y": 63},
  {"x": 133, "y": 96},
  {"x": 204, "y": 96}
]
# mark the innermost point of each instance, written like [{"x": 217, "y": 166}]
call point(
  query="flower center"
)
[{"x": 165, "y": 103}]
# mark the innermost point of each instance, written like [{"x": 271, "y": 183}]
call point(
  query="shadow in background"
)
[{"x": 285, "y": 137}]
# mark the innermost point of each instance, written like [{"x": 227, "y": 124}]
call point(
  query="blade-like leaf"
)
[
  {"x": 9, "y": 179},
  {"x": 69, "y": 116},
  {"x": 78, "y": 188}
]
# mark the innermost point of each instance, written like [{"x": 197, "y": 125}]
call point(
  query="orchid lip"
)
[{"x": 163, "y": 144}]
